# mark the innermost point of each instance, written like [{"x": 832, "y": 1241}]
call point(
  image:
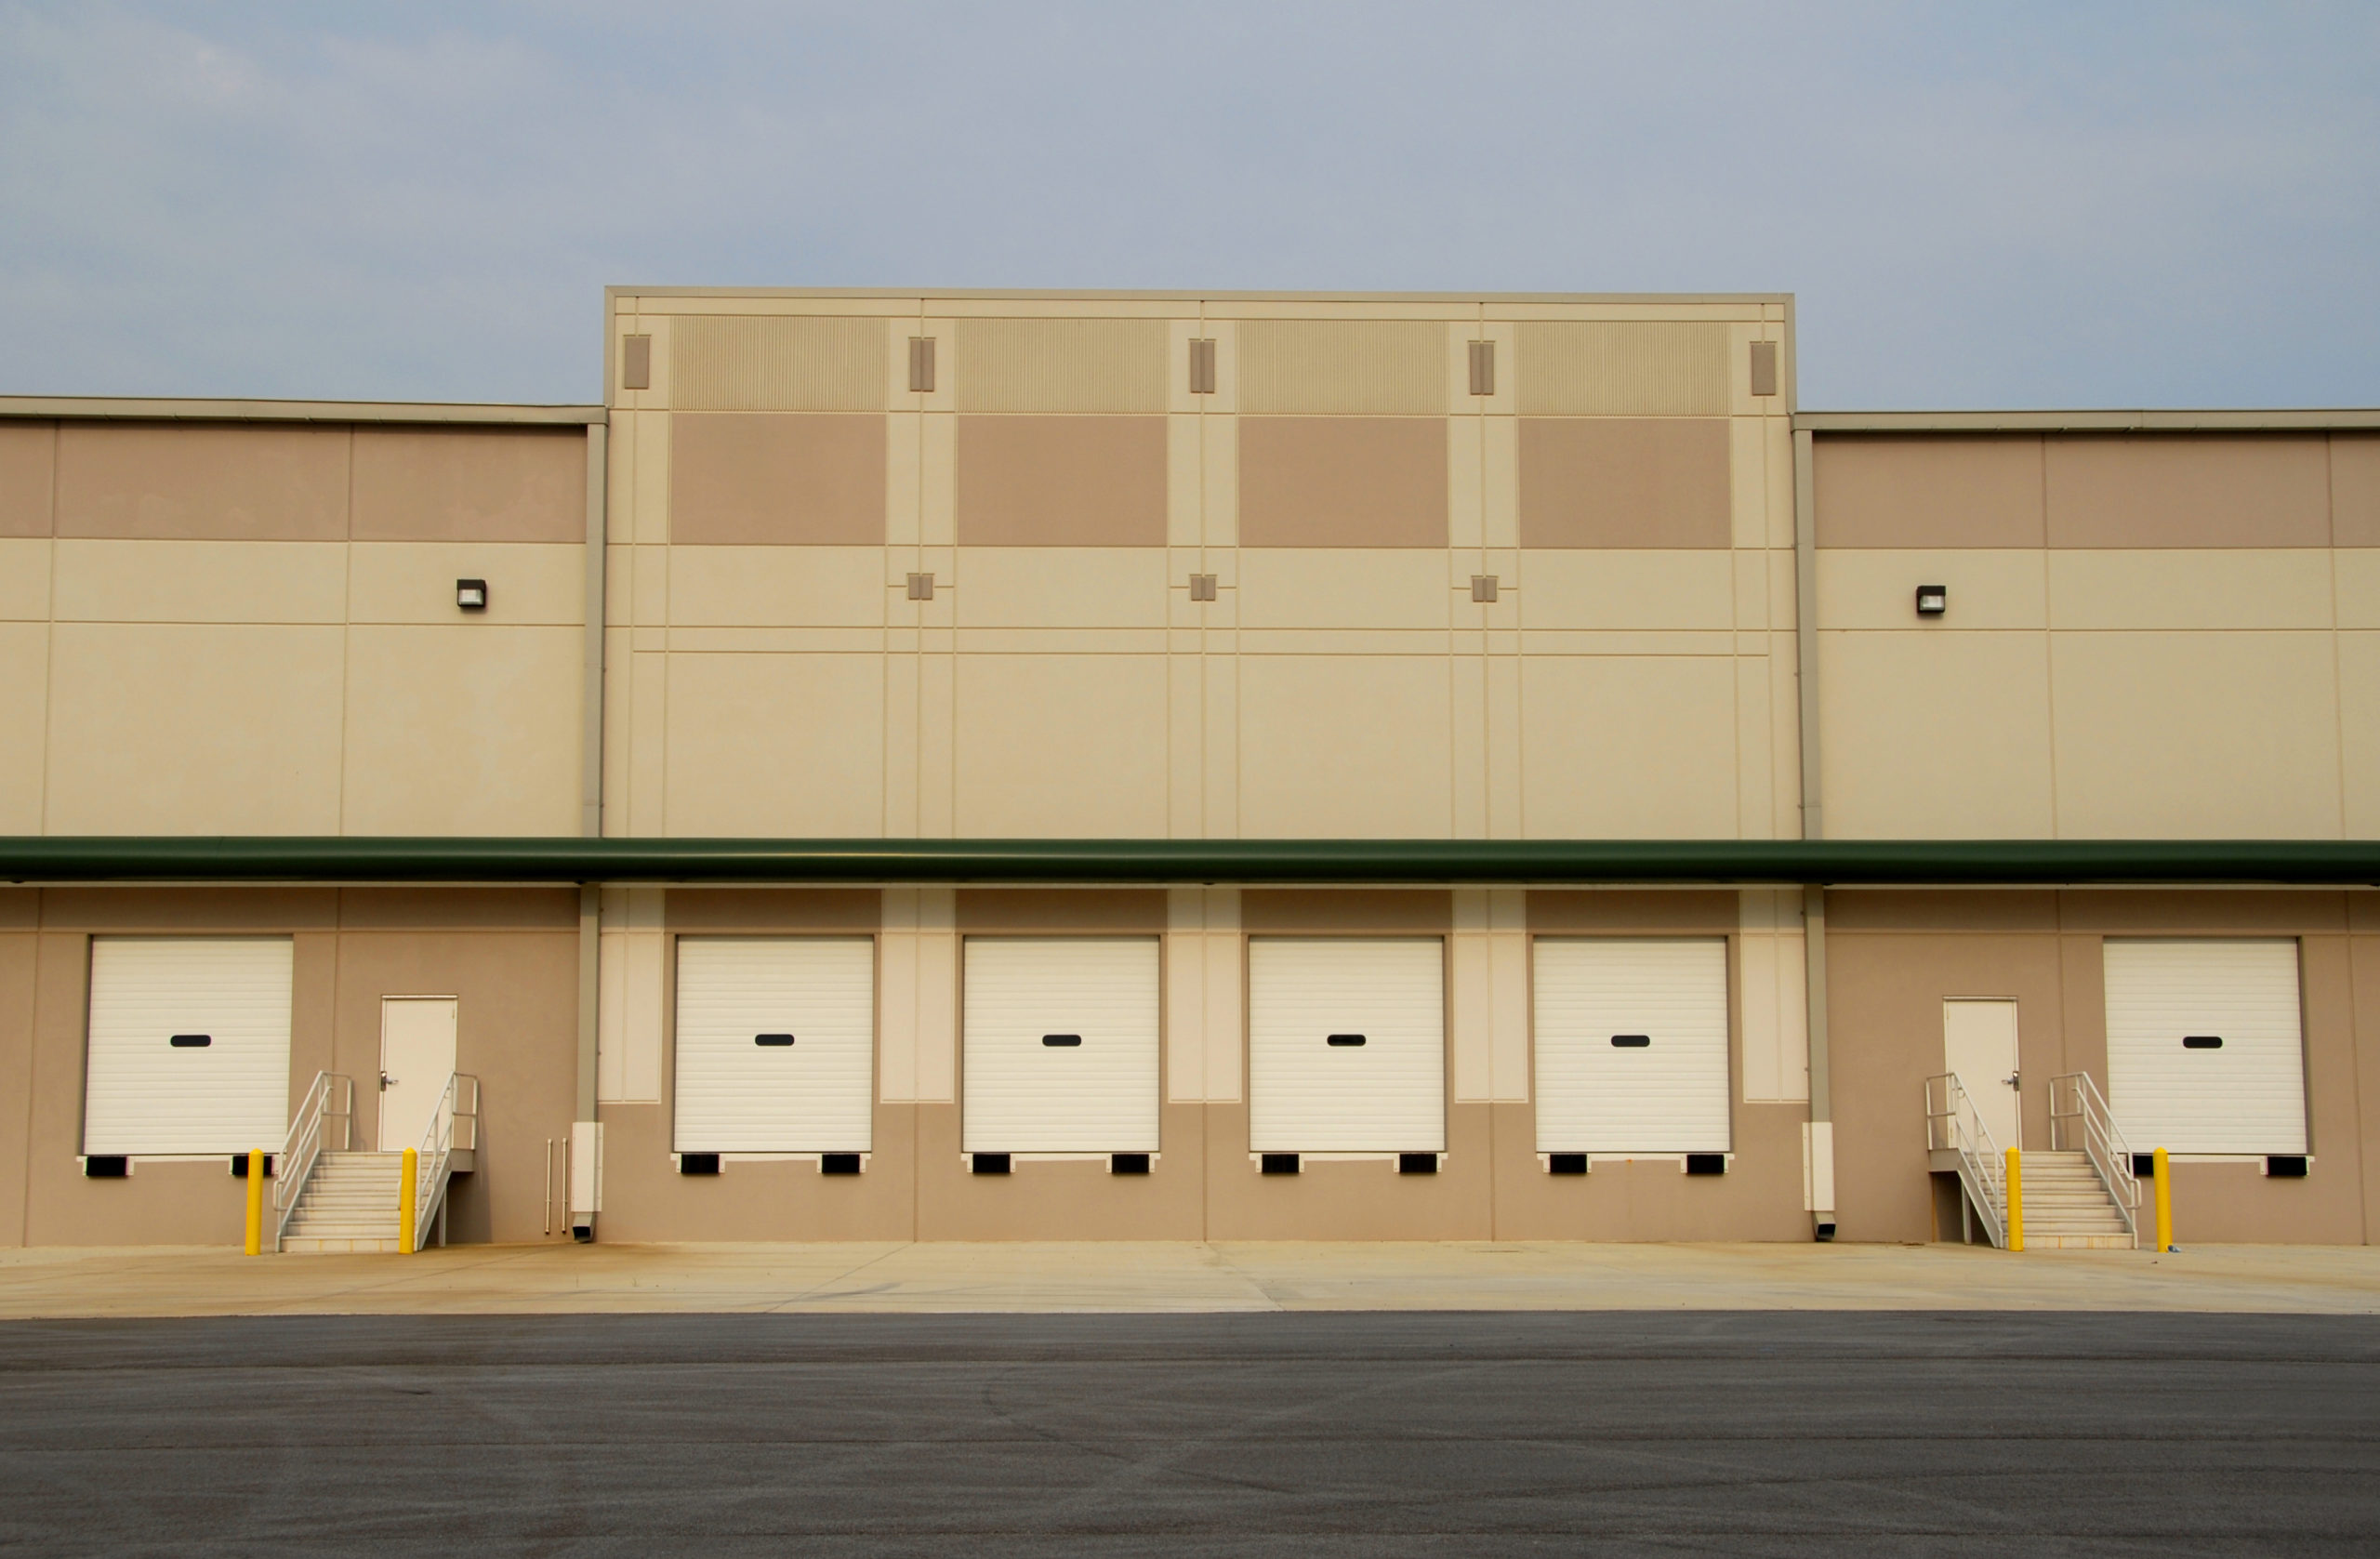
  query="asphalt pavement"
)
[{"x": 1371, "y": 1434}]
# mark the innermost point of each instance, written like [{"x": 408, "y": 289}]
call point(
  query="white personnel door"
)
[
  {"x": 1979, "y": 1044},
  {"x": 2205, "y": 1049},
  {"x": 1632, "y": 1045},
  {"x": 776, "y": 1044},
  {"x": 1060, "y": 1045},
  {"x": 416, "y": 1057},
  {"x": 1346, "y": 1045},
  {"x": 188, "y": 1046}
]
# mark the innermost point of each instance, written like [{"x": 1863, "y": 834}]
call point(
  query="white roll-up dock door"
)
[
  {"x": 189, "y": 1045},
  {"x": 1632, "y": 1045},
  {"x": 776, "y": 1044},
  {"x": 2206, "y": 1049},
  {"x": 1060, "y": 1043},
  {"x": 1346, "y": 1045}
]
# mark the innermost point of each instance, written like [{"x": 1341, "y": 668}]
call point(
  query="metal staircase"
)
[
  {"x": 2080, "y": 1195},
  {"x": 332, "y": 1201}
]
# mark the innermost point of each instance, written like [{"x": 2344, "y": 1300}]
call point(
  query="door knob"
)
[
  {"x": 386, "y": 1082},
  {"x": 2011, "y": 1079}
]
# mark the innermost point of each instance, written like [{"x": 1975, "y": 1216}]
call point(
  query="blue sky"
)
[{"x": 2011, "y": 205}]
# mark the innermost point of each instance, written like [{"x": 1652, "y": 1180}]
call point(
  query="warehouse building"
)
[{"x": 1033, "y": 766}]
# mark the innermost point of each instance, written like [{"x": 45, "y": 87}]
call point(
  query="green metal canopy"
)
[{"x": 1547, "y": 862}]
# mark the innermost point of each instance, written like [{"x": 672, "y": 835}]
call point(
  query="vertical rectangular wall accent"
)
[
  {"x": 627, "y": 1043},
  {"x": 1776, "y": 1010},
  {"x": 1202, "y": 1013},
  {"x": 1491, "y": 1001},
  {"x": 918, "y": 1000}
]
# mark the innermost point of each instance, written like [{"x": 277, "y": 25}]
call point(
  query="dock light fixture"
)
[
  {"x": 472, "y": 594},
  {"x": 1933, "y": 599}
]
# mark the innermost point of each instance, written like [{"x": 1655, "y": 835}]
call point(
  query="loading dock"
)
[{"x": 776, "y": 1044}]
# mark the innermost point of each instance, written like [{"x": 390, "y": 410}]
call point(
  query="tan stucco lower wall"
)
[
  {"x": 1894, "y": 957},
  {"x": 509, "y": 956}
]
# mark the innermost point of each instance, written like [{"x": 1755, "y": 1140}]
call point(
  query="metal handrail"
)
[
  {"x": 454, "y": 1125},
  {"x": 2078, "y": 1110},
  {"x": 330, "y": 1097},
  {"x": 1952, "y": 1124}
]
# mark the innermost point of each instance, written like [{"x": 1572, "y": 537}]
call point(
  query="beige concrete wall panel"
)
[
  {"x": 647, "y": 738},
  {"x": 459, "y": 909},
  {"x": 1467, "y": 484},
  {"x": 1631, "y": 912},
  {"x": 1755, "y": 763},
  {"x": 1220, "y": 484},
  {"x": 618, "y": 733},
  {"x": 2200, "y": 912},
  {"x": 1344, "y": 746},
  {"x": 1362, "y": 1200},
  {"x": 2359, "y": 661},
  {"x": 784, "y": 745},
  {"x": 760, "y": 478},
  {"x": 2355, "y": 490},
  {"x": 775, "y": 587},
  {"x": 1747, "y": 486},
  {"x": 1072, "y": 911},
  {"x": 28, "y": 477},
  {"x": 775, "y": 911},
  {"x": 1640, "y": 482},
  {"x": 2355, "y": 570},
  {"x": 646, "y": 1198},
  {"x": 1343, "y": 368},
  {"x": 18, "y": 960},
  {"x": 470, "y": 484},
  {"x": 1062, "y": 366},
  {"x": 1897, "y": 492},
  {"x": 1342, "y": 482},
  {"x": 464, "y": 730},
  {"x": 1622, "y": 748},
  {"x": 208, "y": 909},
  {"x": 539, "y": 585},
  {"x": 2175, "y": 736},
  {"x": 649, "y": 431},
  {"x": 1665, "y": 591},
  {"x": 1500, "y": 481},
  {"x": 2004, "y": 588},
  {"x": 24, "y": 716},
  {"x": 227, "y": 482},
  {"x": 1071, "y": 1199},
  {"x": 517, "y": 1031},
  {"x": 1184, "y": 473},
  {"x": 1933, "y": 735},
  {"x": 2163, "y": 490},
  {"x": 1759, "y": 1198},
  {"x": 2237, "y": 588},
  {"x": 25, "y": 578},
  {"x": 1941, "y": 909},
  {"x": 1346, "y": 911},
  {"x": 1061, "y": 481},
  {"x": 1032, "y": 588},
  {"x": 1305, "y": 590},
  {"x": 207, "y": 730},
  {"x": 1061, "y": 746},
  {"x": 755, "y": 364},
  {"x": 203, "y": 582},
  {"x": 1622, "y": 368},
  {"x": 1467, "y": 679}
]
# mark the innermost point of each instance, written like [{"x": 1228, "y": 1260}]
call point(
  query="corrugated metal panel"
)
[
  {"x": 1668, "y": 1095},
  {"x": 2248, "y": 1096},
  {"x": 1622, "y": 368},
  {"x": 144, "y": 1093},
  {"x": 738, "y": 1094},
  {"x": 1023, "y": 1095},
  {"x": 1308, "y": 1095},
  {"x": 1061, "y": 365},
  {"x": 1353, "y": 367},
  {"x": 726, "y": 363}
]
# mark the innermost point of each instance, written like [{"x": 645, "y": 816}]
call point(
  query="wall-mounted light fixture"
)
[
  {"x": 1933, "y": 599},
  {"x": 472, "y": 594}
]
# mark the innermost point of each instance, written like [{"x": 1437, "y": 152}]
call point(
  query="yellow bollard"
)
[
  {"x": 2164, "y": 1203},
  {"x": 2016, "y": 1205},
  {"x": 256, "y": 1202},
  {"x": 407, "y": 1190}
]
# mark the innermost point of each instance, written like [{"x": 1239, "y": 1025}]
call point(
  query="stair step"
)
[{"x": 340, "y": 1244}]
